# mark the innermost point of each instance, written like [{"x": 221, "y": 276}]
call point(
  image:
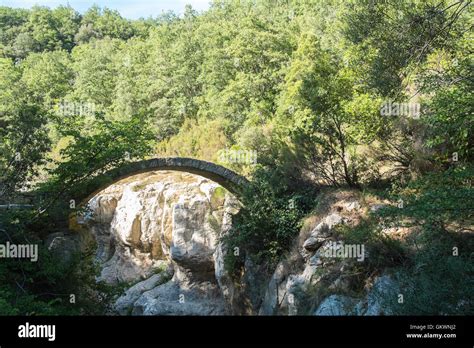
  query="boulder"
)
[
  {"x": 124, "y": 304},
  {"x": 176, "y": 298},
  {"x": 170, "y": 216},
  {"x": 313, "y": 243}
]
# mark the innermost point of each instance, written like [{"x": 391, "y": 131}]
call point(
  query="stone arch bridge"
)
[{"x": 227, "y": 178}]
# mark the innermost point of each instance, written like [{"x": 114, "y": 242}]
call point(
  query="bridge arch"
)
[{"x": 227, "y": 178}]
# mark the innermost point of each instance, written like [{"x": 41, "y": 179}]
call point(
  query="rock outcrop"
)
[
  {"x": 336, "y": 305},
  {"x": 313, "y": 263},
  {"x": 161, "y": 225},
  {"x": 163, "y": 233}
]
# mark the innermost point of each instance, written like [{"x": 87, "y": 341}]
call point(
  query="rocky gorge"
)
[{"x": 159, "y": 235}]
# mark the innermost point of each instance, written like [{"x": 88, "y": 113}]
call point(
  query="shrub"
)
[{"x": 269, "y": 220}]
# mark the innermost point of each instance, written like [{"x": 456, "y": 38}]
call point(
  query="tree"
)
[
  {"x": 325, "y": 114},
  {"x": 11, "y": 22},
  {"x": 68, "y": 21},
  {"x": 47, "y": 76},
  {"x": 101, "y": 23},
  {"x": 23, "y": 133},
  {"x": 95, "y": 72}
]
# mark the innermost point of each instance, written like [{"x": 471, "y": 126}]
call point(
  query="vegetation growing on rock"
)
[{"x": 302, "y": 83}]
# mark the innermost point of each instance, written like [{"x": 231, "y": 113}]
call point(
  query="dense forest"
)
[{"x": 372, "y": 96}]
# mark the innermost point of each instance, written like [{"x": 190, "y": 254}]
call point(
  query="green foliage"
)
[
  {"x": 47, "y": 76},
  {"x": 268, "y": 222},
  {"x": 92, "y": 152},
  {"x": 438, "y": 282},
  {"x": 42, "y": 29},
  {"x": 23, "y": 132},
  {"x": 44, "y": 287},
  {"x": 437, "y": 198},
  {"x": 95, "y": 73},
  {"x": 382, "y": 251},
  {"x": 439, "y": 277},
  {"x": 325, "y": 114},
  {"x": 300, "y": 82},
  {"x": 397, "y": 34},
  {"x": 450, "y": 127}
]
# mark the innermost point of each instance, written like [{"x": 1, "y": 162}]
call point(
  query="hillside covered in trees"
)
[{"x": 369, "y": 96}]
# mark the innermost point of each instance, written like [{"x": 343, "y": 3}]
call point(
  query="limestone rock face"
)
[
  {"x": 290, "y": 289},
  {"x": 146, "y": 222},
  {"x": 376, "y": 303},
  {"x": 335, "y": 305},
  {"x": 163, "y": 232},
  {"x": 312, "y": 265},
  {"x": 175, "y": 298},
  {"x": 125, "y": 302}
]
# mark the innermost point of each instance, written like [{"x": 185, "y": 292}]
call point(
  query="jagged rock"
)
[
  {"x": 313, "y": 243},
  {"x": 170, "y": 216},
  {"x": 285, "y": 282},
  {"x": 103, "y": 207},
  {"x": 322, "y": 231},
  {"x": 129, "y": 266},
  {"x": 228, "y": 289},
  {"x": 222, "y": 277},
  {"x": 146, "y": 222},
  {"x": 320, "y": 234},
  {"x": 254, "y": 285},
  {"x": 375, "y": 303},
  {"x": 176, "y": 298},
  {"x": 335, "y": 305},
  {"x": 273, "y": 294},
  {"x": 124, "y": 303},
  {"x": 193, "y": 241},
  {"x": 295, "y": 294}
]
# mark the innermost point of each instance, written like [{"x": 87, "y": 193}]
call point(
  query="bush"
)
[
  {"x": 269, "y": 220},
  {"x": 438, "y": 283},
  {"x": 439, "y": 279},
  {"x": 44, "y": 287}
]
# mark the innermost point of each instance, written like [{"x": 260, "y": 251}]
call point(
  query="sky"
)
[{"x": 131, "y": 9}]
